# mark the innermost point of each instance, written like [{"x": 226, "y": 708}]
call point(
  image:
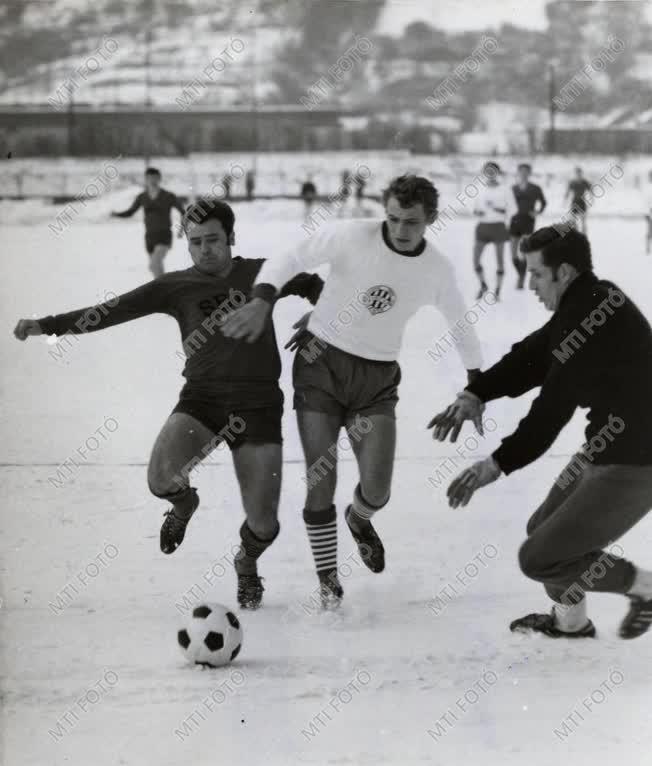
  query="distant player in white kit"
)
[
  {"x": 491, "y": 204},
  {"x": 346, "y": 373}
]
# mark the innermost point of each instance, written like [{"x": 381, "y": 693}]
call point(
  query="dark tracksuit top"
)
[
  {"x": 228, "y": 369},
  {"x": 596, "y": 353},
  {"x": 157, "y": 210},
  {"x": 526, "y": 199}
]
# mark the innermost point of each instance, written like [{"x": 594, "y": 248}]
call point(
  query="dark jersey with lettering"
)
[
  {"x": 579, "y": 188},
  {"x": 157, "y": 210},
  {"x": 215, "y": 365},
  {"x": 526, "y": 198}
]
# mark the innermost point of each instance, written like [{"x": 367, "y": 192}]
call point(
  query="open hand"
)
[
  {"x": 467, "y": 406},
  {"x": 471, "y": 479},
  {"x": 301, "y": 327}
]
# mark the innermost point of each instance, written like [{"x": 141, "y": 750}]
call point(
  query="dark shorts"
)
[
  {"x": 521, "y": 225},
  {"x": 157, "y": 238},
  {"x": 327, "y": 379},
  {"x": 236, "y": 422},
  {"x": 491, "y": 232}
]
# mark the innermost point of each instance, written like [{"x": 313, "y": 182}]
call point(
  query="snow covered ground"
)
[{"x": 91, "y": 673}]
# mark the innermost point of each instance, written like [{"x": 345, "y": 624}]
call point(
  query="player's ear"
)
[
  {"x": 232, "y": 238},
  {"x": 566, "y": 273},
  {"x": 430, "y": 219}
]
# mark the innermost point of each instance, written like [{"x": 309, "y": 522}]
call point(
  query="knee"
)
[
  {"x": 377, "y": 496},
  {"x": 532, "y": 563},
  {"x": 163, "y": 479}
]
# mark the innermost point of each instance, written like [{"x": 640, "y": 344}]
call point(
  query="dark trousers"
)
[{"x": 587, "y": 508}]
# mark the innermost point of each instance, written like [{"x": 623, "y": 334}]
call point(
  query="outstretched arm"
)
[
  {"x": 543, "y": 202},
  {"x": 130, "y": 210},
  {"x": 146, "y": 299}
]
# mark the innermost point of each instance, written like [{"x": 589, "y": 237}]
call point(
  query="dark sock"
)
[
  {"x": 322, "y": 534},
  {"x": 251, "y": 548},
  {"x": 184, "y": 501}
]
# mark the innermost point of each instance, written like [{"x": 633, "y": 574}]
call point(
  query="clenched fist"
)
[{"x": 27, "y": 327}]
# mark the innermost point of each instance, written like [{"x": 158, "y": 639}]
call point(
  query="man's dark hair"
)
[
  {"x": 525, "y": 166},
  {"x": 153, "y": 172},
  {"x": 560, "y": 244},
  {"x": 411, "y": 190},
  {"x": 208, "y": 208}
]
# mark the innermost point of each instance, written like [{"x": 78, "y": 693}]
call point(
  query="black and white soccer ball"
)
[{"x": 211, "y": 636}]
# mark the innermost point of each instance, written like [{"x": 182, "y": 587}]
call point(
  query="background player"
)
[
  {"x": 606, "y": 488},
  {"x": 157, "y": 204},
  {"x": 647, "y": 201},
  {"x": 577, "y": 190},
  {"x": 526, "y": 196},
  {"x": 345, "y": 372},
  {"x": 231, "y": 392},
  {"x": 308, "y": 193},
  {"x": 491, "y": 204}
]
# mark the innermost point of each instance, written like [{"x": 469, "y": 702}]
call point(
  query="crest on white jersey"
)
[{"x": 378, "y": 299}]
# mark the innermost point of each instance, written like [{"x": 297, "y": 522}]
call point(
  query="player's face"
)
[
  {"x": 152, "y": 183},
  {"x": 406, "y": 226},
  {"x": 210, "y": 248},
  {"x": 523, "y": 175},
  {"x": 543, "y": 282}
]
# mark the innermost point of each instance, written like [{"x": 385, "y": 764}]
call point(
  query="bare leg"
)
[
  {"x": 500, "y": 267},
  {"x": 478, "y": 247},
  {"x": 180, "y": 446},
  {"x": 156, "y": 260},
  {"x": 258, "y": 468},
  {"x": 319, "y": 432}
]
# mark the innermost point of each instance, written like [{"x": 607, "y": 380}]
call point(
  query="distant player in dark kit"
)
[
  {"x": 577, "y": 190},
  {"x": 491, "y": 204},
  {"x": 526, "y": 196},
  {"x": 648, "y": 213},
  {"x": 359, "y": 181},
  {"x": 308, "y": 194},
  {"x": 157, "y": 204},
  {"x": 231, "y": 393},
  {"x": 250, "y": 184},
  {"x": 596, "y": 353},
  {"x": 345, "y": 371}
]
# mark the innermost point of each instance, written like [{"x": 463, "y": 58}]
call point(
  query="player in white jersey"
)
[
  {"x": 492, "y": 205},
  {"x": 345, "y": 372}
]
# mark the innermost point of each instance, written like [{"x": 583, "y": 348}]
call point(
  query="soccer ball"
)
[{"x": 212, "y": 636}]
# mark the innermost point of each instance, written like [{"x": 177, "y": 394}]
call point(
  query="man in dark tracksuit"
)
[
  {"x": 231, "y": 395},
  {"x": 595, "y": 353}
]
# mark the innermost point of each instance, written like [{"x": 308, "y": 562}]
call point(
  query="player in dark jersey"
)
[
  {"x": 157, "y": 204},
  {"x": 526, "y": 196},
  {"x": 231, "y": 392},
  {"x": 577, "y": 190},
  {"x": 308, "y": 194}
]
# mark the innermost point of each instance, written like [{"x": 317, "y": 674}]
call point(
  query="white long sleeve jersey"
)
[
  {"x": 494, "y": 204},
  {"x": 372, "y": 291}
]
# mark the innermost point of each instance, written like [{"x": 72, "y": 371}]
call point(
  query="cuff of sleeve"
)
[
  {"x": 499, "y": 460},
  {"x": 265, "y": 291},
  {"x": 475, "y": 389}
]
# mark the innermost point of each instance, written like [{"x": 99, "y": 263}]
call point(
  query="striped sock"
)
[
  {"x": 361, "y": 510},
  {"x": 322, "y": 534}
]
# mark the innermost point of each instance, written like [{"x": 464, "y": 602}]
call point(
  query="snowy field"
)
[{"x": 93, "y": 676}]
